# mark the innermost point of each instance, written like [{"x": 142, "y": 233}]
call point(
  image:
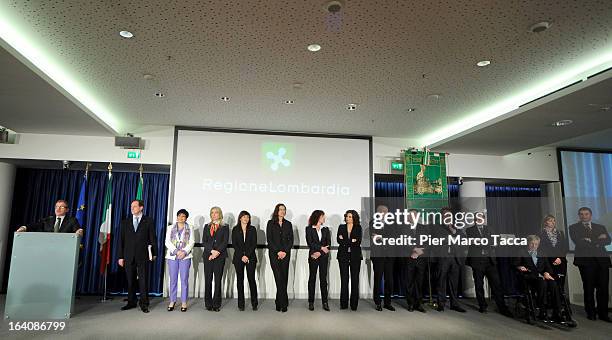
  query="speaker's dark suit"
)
[
  {"x": 280, "y": 238},
  {"x": 47, "y": 225},
  {"x": 320, "y": 264},
  {"x": 483, "y": 261},
  {"x": 213, "y": 269},
  {"x": 133, "y": 249},
  {"x": 593, "y": 262},
  {"x": 245, "y": 245},
  {"x": 349, "y": 260}
]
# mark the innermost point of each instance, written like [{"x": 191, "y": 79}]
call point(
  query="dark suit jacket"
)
[
  {"x": 280, "y": 238},
  {"x": 457, "y": 251},
  {"x": 526, "y": 261},
  {"x": 346, "y": 243},
  {"x": 244, "y": 246},
  {"x": 133, "y": 245},
  {"x": 480, "y": 256},
  {"x": 314, "y": 244},
  {"x": 590, "y": 252},
  {"x": 419, "y": 230},
  {"x": 69, "y": 225},
  {"x": 559, "y": 250},
  {"x": 217, "y": 242}
]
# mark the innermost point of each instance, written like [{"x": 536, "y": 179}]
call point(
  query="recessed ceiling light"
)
[
  {"x": 159, "y": 94},
  {"x": 289, "y": 102},
  {"x": 564, "y": 122},
  {"x": 147, "y": 76},
  {"x": 434, "y": 96},
  {"x": 351, "y": 107},
  {"x": 225, "y": 99},
  {"x": 540, "y": 27},
  {"x": 314, "y": 47},
  {"x": 483, "y": 63},
  {"x": 297, "y": 85},
  {"x": 126, "y": 34}
]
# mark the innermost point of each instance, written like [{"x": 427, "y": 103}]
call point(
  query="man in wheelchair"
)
[{"x": 535, "y": 270}]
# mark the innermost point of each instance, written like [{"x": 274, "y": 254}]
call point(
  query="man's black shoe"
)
[
  {"x": 128, "y": 306},
  {"x": 420, "y": 308},
  {"x": 457, "y": 309},
  {"x": 389, "y": 307},
  {"x": 379, "y": 308}
]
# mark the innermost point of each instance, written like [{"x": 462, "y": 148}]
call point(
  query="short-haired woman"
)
[{"x": 179, "y": 243}]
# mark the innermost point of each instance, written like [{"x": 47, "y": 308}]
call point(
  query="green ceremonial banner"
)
[{"x": 425, "y": 180}]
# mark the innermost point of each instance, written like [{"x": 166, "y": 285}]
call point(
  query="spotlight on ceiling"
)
[
  {"x": 159, "y": 94},
  {"x": 540, "y": 27},
  {"x": 564, "y": 122},
  {"x": 126, "y": 34},
  {"x": 225, "y": 99},
  {"x": 351, "y": 107},
  {"x": 411, "y": 109},
  {"x": 314, "y": 47},
  {"x": 289, "y": 102}
]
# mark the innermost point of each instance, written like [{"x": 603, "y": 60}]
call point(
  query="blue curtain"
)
[{"x": 36, "y": 191}]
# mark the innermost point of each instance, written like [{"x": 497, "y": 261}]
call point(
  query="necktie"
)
[
  {"x": 213, "y": 228},
  {"x": 136, "y": 222},
  {"x": 56, "y": 227}
]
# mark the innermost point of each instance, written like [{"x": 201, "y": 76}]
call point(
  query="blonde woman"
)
[
  {"x": 214, "y": 239},
  {"x": 179, "y": 243},
  {"x": 554, "y": 244}
]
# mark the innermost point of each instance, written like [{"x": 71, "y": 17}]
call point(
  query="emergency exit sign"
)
[
  {"x": 397, "y": 165},
  {"x": 133, "y": 154}
]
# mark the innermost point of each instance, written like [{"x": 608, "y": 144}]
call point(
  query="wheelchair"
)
[{"x": 525, "y": 303}]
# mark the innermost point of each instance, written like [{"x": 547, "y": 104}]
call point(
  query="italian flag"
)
[{"x": 105, "y": 227}]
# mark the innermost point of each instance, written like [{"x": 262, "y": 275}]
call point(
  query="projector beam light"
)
[{"x": 16, "y": 40}]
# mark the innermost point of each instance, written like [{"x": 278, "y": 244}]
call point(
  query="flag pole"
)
[{"x": 105, "y": 298}]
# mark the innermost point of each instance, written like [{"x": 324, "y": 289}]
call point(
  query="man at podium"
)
[
  {"x": 59, "y": 223},
  {"x": 137, "y": 249}
]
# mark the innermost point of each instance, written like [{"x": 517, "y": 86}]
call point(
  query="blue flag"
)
[{"x": 80, "y": 213}]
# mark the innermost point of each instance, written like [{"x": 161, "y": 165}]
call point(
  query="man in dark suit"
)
[
  {"x": 137, "y": 236},
  {"x": 382, "y": 262},
  {"x": 593, "y": 262},
  {"x": 450, "y": 260},
  {"x": 58, "y": 223},
  {"x": 415, "y": 264},
  {"x": 483, "y": 261},
  {"x": 536, "y": 270}
]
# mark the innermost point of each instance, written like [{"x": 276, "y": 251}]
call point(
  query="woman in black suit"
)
[
  {"x": 279, "y": 233},
  {"x": 214, "y": 240},
  {"x": 318, "y": 239},
  {"x": 349, "y": 258},
  {"x": 244, "y": 240},
  {"x": 554, "y": 244}
]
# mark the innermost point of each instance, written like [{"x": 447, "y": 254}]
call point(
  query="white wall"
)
[{"x": 158, "y": 148}]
